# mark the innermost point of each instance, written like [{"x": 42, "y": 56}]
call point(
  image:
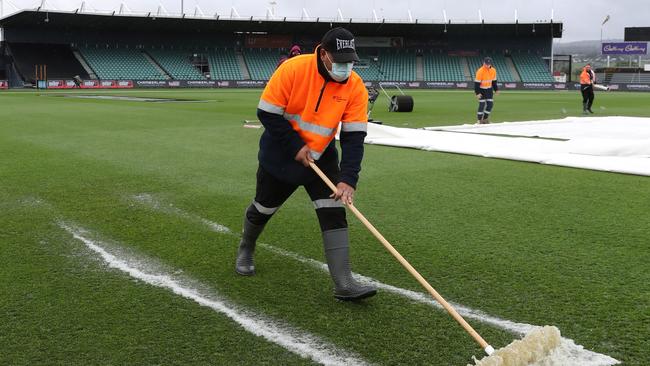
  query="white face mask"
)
[{"x": 340, "y": 70}]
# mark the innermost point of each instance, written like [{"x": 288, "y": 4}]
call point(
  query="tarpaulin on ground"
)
[{"x": 614, "y": 144}]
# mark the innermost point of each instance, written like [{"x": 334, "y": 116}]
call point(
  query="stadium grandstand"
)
[{"x": 173, "y": 51}]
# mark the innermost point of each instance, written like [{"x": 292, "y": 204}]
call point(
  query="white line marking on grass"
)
[
  {"x": 298, "y": 342},
  {"x": 149, "y": 201},
  {"x": 568, "y": 353}
]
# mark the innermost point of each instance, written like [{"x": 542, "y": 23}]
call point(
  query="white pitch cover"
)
[{"x": 612, "y": 144}]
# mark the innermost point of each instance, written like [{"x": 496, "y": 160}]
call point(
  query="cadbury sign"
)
[{"x": 625, "y": 48}]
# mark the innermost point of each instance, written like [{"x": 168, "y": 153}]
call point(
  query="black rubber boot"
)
[
  {"x": 245, "y": 265},
  {"x": 346, "y": 288}
]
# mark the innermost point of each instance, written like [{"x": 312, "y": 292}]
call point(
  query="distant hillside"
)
[{"x": 580, "y": 48}]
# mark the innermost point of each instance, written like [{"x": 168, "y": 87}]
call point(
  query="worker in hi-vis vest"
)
[
  {"x": 301, "y": 108},
  {"x": 587, "y": 80},
  {"x": 485, "y": 87}
]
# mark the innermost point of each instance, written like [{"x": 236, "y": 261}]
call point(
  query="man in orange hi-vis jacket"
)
[
  {"x": 587, "y": 80},
  {"x": 301, "y": 108},
  {"x": 485, "y": 87}
]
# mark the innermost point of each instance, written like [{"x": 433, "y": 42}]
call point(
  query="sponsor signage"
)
[
  {"x": 90, "y": 84},
  {"x": 4, "y": 84},
  {"x": 151, "y": 83},
  {"x": 61, "y": 84},
  {"x": 122, "y": 84},
  {"x": 638, "y": 87},
  {"x": 384, "y": 42},
  {"x": 624, "y": 48},
  {"x": 116, "y": 84},
  {"x": 198, "y": 83},
  {"x": 439, "y": 84},
  {"x": 268, "y": 41},
  {"x": 388, "y": 84},
  {"x": 250, "y": 83},
  {"x": 537, "y": 85},
  {"x": 201, "y": 83},
  {"x": 462, "y": 53}
]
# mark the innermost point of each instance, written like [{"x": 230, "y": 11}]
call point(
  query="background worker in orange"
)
[
  {"x": 587, "y": 80},
  {"x": 301, "y": 108},
  {"x": 485, "y": 87}
]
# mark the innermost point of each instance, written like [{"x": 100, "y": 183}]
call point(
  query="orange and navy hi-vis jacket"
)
[
  {"x": 486, "y": 78},
  {"x": 586, "y": 77},
  {"x": 302, "y": 105}
]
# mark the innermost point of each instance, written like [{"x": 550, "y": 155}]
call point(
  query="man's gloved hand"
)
[{"x": 344, "y": 192}]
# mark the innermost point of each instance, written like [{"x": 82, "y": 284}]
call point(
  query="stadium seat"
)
[
  {"x": 177, "y": 63},
  {"x": 120, "y": 63},
  {"x": 441, "y": 67},
  {"x": 223, "y": 64},
  {"x": 262, "y": 62},
  {"x": 60, "y": 60},
  {"x": 397, "y": 65},
  {"x": 368, "y": 66},
  {"x": 532, "y": 68}
]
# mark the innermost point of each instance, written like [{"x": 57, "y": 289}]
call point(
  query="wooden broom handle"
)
[{"x": 407, "y": 265}]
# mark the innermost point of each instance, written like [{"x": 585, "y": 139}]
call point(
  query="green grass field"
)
[{"x": 525, "y": 242}]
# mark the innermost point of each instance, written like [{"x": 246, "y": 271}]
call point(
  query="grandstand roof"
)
[{"x": 152, "y": 23}]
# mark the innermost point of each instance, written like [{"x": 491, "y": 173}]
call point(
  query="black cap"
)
[
  {"x": 487, "y": 60},
  {"x": 340, "y": 43}
]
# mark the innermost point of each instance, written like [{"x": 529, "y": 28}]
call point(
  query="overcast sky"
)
[{"x": 582, "y": 19}]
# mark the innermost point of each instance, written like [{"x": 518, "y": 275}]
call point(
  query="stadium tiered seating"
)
[
  {"x": 120, "y": 63},
  {"x": 397, "y": 65},
  {"x": 503, "y": 71},
  {"x": 59, "y": 59},
  {"x": 224, "y": 65},
  {"x": 532, "y": 68},
  {"x": 441, "y": 67},
  {"x": 177, "y": 63},
  {"x": 368, "y": 68},
  {"x": 261, "y": 62}
]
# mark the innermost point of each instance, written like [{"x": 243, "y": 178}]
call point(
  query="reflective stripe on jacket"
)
[{"x": 313, "y": 105}]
